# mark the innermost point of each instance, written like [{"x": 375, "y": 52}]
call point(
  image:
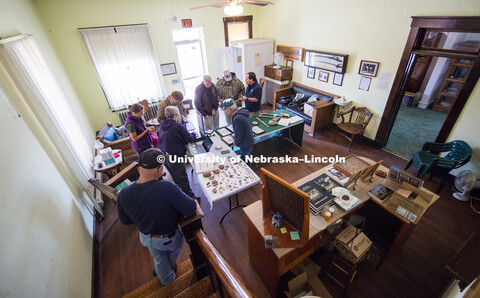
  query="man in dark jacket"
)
[
  {"x": 154, "y": 207},
  {"x": 206, "y": 103},
  {"x": 242, "y": 127},
  {"x": 172, "y": 139}
]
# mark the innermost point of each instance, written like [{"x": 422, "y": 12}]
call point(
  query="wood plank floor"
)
[{"x": 417, "y": 270}]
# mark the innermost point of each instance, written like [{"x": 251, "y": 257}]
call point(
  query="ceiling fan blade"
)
[
  {"x": 217, "y": 4},
  {"x": 260, "y": 3}
]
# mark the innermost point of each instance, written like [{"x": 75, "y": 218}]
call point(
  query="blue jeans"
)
[
  {"x": 244, "y": 152},
  {"x": 165, "y": 252}
]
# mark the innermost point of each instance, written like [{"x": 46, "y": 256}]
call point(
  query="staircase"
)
[{"x": 185, "y": 285}]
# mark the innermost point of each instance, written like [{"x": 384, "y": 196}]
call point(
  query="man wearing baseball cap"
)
[
  {"x": 242, "y": 127},
  {"x": 153, "y": 206},
  {"x": 230, "y": 87}
]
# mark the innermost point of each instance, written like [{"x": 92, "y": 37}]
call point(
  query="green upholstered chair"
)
[{"x": 428, "y": 160}]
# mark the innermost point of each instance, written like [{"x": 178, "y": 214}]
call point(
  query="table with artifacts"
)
[
  {"x": 276, "y": 123},
  {"x": 225, "y": 174},
  {"x": 330, "y": 202}
]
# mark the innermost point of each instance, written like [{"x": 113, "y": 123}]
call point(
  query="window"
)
[
  {"x": 237, "y": 28},
  {"x": 125, "y": 62},
  {"x": 48, "y": 109},
  {"x": 191, "y": 57}
]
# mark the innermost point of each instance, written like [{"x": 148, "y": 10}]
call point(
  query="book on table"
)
[
  {"x": 320, "y": 192},
  {"x": 380, "y": 192}
]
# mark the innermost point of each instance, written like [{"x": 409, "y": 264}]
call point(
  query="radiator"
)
[{"x": 147, "y": 116}]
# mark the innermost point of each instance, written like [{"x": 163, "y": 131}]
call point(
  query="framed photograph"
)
[
  {"x": 168, "y": 69},
  {"x": 368, "y": 68},
  {"x": 311, "y": 73},
  {"x": 289, "y": 63},
  {"x": 365, "y": 83},
  {"x": 338, "y": 79},
  {"x": 323, "y": 76},
  {"x": 326, "y": 61}
]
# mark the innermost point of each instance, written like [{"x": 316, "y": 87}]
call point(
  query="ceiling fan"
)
[{"x": 232, "y": 7}]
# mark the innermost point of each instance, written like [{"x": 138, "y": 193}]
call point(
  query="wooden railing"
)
[{"x": 228, "y": 277}]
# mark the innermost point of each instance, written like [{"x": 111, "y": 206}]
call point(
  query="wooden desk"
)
[{"x": 270, "y": 264}]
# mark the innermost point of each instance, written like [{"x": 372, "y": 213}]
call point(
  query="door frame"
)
[{"x": 419, "y": 27}]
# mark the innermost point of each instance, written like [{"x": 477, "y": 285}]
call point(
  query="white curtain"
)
[
  {"x": 49, "y": 112},
  {"x": 125, "y": 62}
]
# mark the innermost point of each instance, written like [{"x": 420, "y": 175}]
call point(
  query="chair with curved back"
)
[
  {"x": 354, "y": 128},
  {"x": 428, "y": 160}
]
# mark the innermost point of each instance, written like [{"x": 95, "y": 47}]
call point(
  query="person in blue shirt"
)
[
  {"x": 242, "y": 128},
  {"x": 253, "y": 95}
]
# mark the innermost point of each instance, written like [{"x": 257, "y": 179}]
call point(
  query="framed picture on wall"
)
[
  {"x": 323, "y": 76},
  {"x": 168, "y": 69},
  {"x": 365, "y": 83},
  {"x": 311, "y": 72},
  {"x": 368, "y": 68},
  {"x": 338, "y": 79},
  {"x": 288, "y": 62}
]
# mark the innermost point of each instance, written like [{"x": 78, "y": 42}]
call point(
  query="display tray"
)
[
  {"x": 224, "y": 131},
  {"x": 352, "y": 165}
]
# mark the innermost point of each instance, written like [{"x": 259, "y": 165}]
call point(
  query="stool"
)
[{"x": 341, "y": 266}]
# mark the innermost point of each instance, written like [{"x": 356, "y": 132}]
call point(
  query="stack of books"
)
[{"x": 320, "y": 191}]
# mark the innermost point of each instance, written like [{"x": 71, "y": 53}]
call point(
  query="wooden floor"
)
[{"x": 418, "y": 270}]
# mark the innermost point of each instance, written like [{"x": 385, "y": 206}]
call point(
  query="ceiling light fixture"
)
[{"x": 233, "y": 9}]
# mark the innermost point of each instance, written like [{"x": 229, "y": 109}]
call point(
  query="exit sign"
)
[{"x": 186, "y": 23}]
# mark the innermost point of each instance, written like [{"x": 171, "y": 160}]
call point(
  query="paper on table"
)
[
  {"x": 294, "y": 235},
  {"x": 283, "y": 122},
  {"x": 294, "y": 119}
]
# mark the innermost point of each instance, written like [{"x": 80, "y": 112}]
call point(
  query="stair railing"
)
[{"x": 232, "y": 282}]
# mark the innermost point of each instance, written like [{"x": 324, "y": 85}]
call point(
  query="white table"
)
[{"x": 234, "y": 178}]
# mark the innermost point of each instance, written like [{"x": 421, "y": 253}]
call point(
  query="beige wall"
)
[
  {"x": 46, "y": 232},
  {"x": 365, "y": 30},
  {"x": 62, "y": 18}
]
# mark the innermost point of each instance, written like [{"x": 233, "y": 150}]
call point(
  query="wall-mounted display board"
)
[
  {"x": 291, "y": 53},
  {"x": 327, "y": 61}
]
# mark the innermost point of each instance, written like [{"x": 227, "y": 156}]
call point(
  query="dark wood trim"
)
[
  {"x": 95, "y": 259},
  {"x": 226, "y": 20},
  {"x": 460, "y": 102},
  {"x": 391, "y": 109},
  {"x": 418, "y": 28},
  {"x": 232, "y": 282},
  {"x": 447, "y": 23}
]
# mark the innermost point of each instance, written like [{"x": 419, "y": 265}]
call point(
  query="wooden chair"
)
[
  {"x": 294, "y": 205},
  {"x": 354, "y": 128}
]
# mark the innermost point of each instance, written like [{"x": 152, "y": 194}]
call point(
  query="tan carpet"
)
[{"x": 185, "y": 285}]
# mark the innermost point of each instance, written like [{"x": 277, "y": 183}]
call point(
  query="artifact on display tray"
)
[
  {"x": 257, "y": 130},
  {"x": 337, "y": 174},
  {"x": 228, "y": 177},
  {"x": 344, "y": 198},
  {"x": 352, "y": 165},
  {"x": 228, "y": 139},
  {"x": 320, "y": 193},
  {"x": 224, "y": 131}
]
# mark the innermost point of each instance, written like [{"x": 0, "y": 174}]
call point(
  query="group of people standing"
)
[{"x": 153, "y": 205}]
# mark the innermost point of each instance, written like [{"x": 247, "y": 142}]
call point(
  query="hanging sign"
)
[{"x": 186, "y": 23}]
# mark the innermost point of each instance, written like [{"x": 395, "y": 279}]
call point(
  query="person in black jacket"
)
[
  {"x": 153, "y": 206},
  {"x": 172, "y": 139},
  {"x": 242, "y": 127}
]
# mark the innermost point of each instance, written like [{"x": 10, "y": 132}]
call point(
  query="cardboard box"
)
[
  {"x": 302, "y": 286},
  {"x": 352, "y": 243}
]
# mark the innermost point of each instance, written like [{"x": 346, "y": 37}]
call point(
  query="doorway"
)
[
  {"x": 190, "y": 49},
  {"x": 463, "y": 49}
]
